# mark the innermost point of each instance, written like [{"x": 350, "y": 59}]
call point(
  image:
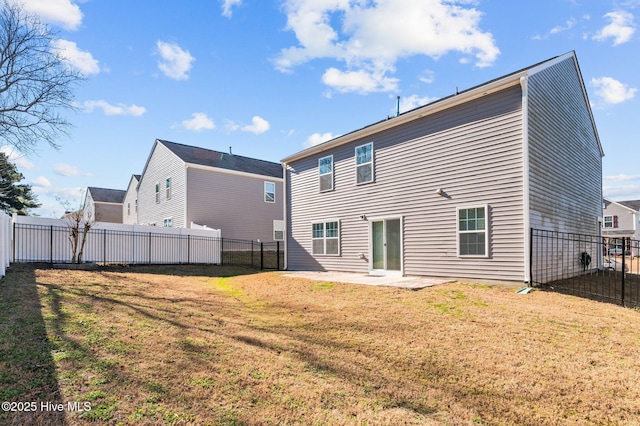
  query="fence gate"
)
[{"x": 595, "y": 267}]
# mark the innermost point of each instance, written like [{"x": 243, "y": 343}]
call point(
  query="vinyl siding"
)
[
  {"x": 473, "y": 152},
  {"x": 162, "y": 164},
  {"x": 565, "y": 163},
  {"x": 626, "y": 226},
  {"x": 108, "y": 212},
  {"x": 130, "y": 217},
  {"x": 233, "y": 203}
]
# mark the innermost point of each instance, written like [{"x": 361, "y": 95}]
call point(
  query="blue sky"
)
[{"x": 269, "y": 78}]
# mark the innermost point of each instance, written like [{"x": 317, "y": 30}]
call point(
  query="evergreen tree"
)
[{"x": 15, "y": 197}]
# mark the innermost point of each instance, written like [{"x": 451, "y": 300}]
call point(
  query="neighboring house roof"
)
[
  {"x": 105, "y": 195},
  {"x": 447, "y": 102},
  {"x": 222, "y": 160},
  {"x": 632, "y": 204}
]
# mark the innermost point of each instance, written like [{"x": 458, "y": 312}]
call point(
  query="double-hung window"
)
[
  {"x": 364, "y": 163},
  {"x": 610, "y": 222},
  {"x": 128, "y": 209},
  {"x": 472, "y": 226},
  {"x": 168, "y": 222},
  {"x": 269, "y": 192},
  {"x": 325, "y": 167},
  {"x": 157, "y": 193},
  {"x": 167, "y": 186},
  {"x": 326, "y": 238}
]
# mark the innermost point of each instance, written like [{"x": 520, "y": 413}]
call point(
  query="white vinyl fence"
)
[
  {"x": 38, "y": 239},
  {"x": 5, "y": 242}
]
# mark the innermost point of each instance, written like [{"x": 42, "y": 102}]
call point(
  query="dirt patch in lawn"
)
[{"x": 211, "y": 345}]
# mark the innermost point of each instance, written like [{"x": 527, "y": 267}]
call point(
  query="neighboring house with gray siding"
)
[
  {"x": 621, "y": 219},
  {"x": 103, "y": 204},
  {"x": 183, "y": 185},
  {"x": 130, "y": 203},
  {"x": 452, "y": 188}
]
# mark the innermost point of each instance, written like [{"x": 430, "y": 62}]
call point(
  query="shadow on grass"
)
[
  {"x": 183, "y": 270},
  {"x": 28, "y": 374}
]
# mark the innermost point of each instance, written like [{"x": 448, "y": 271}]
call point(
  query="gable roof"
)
[
  {"x": 105, "y": 195},
  {"x": 221, "y": 160},
  {"x": 447, "y": 102},
  {"x": 632, "y": 204}
]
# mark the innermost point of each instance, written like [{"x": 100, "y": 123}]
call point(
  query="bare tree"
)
[
  {"x": 36, "y": 82},
  {"x": 79, "y": 222}
]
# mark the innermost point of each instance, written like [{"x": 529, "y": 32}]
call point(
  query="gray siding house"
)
[
  {"x": 103, "y": 204},
  {"x": 452, "y": 188},
  {"x": 130, "y": 203},
  {"x": 183, "y": 185},
  {"x": 621, "y": 219}
]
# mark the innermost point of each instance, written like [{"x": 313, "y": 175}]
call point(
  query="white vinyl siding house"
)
[
  {"x": 622, "y": 220},
  {"x": 450, "y": 188},
  {"x": 183, "y": 184},
  {"x": 130, "y": 203}
]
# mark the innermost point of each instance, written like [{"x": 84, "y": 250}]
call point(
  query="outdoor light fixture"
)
[{"x": 439, "y": 191}]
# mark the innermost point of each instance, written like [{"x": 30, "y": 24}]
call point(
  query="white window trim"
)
[
  {"x": 372, "y": 162},
  {"x": 168, "y": 188},
  {"x": 324, "y": 238},
  {"x": 157, "y": 192},
  {"x": 486, "y": 231},
  {"x": 323, "y": 174},
  {"x": 128, "y": 209},
  {"x": 164, "y": 222},
  {"x": 264, "y": 197}
]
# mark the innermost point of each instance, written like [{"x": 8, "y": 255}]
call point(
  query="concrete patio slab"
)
[{"x": 414, "y": 283}]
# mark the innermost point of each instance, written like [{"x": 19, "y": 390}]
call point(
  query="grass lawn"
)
[{"x": 227, "y": 346}]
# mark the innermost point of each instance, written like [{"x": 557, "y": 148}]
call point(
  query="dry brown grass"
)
[{"x": 147, "y": 347}]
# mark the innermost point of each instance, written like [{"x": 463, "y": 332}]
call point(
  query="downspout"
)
[
  {"x": 525, "y": 179},
  {"x": 285, "y": 211}
]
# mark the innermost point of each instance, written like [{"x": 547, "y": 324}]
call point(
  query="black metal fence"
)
[
  {"x": 52, "y": 244},
  {"x": 595, "y": 267}
]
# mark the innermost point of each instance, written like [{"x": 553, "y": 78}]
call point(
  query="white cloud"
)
[
  {"x": 64, "y": 13},
  {"x": 361, "y": 81},
  {"x": 175, "y": 63},
  {"x": 199, "y": 122},
  {"x": 80, "y": 59},
  {"x": 427, "y": 77},
  {"x": 41, "y": 181},
  {"x": 259, "y": 125},
  {"x": 622, "y": 178},
  {"x": 410, "y": 102},
  {"x": 120, "y": 109},
  {"x": 568, "y": 25},
  {"x": 374, "y": 35},
  {"x": 227, "y": 5},
  {"x": 620, "y": 28},
  {"x": 621, "y": 191},
  {"x": 611, "y": 91},
  {"x": 17, "y": 158},
  {"x": 67, "y": 170},
  {"x": 317, "y": 138}
]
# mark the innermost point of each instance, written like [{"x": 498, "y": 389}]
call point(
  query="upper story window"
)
[
  {"x": 157, "y": 192},
  {"x": 472, "y": 232},
  {"x": 167, "y": 186},
  {"x": 128, "y": 209},
  {"x": 168, "y": 222},
  {"x": 325, "y": 167},
  {"x": 364, "y": 163},
  {"x": 136, "y": 205},
  {"x": 610, "y": 222},
  {"x": 269, "y": 192}
]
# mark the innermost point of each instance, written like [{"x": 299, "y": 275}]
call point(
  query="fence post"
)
[
  {"x": 221, "y": 251},
  {"x": 149, "y": 248},
  {"x": 252, "y": 253},
  {"x": 14, "y": 242},
  {"x": 623, "y": 267},
  {"x": 51, "y": 245},
  {"x": 188, "y": 249},
  {"x": 531, "y": 257},
  {"x": 277, "y": 255},
  {"x": 104, "y": 247},
  {"x": 261, "y": 256}
]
